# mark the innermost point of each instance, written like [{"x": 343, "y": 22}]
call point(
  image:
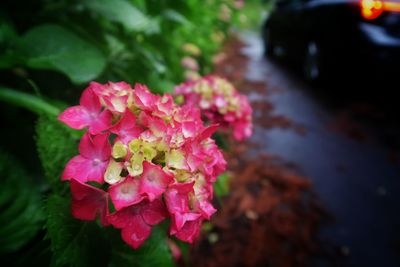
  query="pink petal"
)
[
  {"x": 220, "y": 101},
  {"x": 144, "y": 99},
  {"x": 154, "y": 180},
  {"x": 96, "y": 148},
  {"x": 194, "y": 162},
  {"x": 154, "y": 212},
  {"x": 90, "y": 101},
  {"x": 115, "y": 96},
  {"x": 208, "y": 132},
  {"x": 175, "y": 250},
  {"x": 157, "y": 125},
  {"x": 102, "y": 122},
  {"x": 88, "y": 114},
  {"x": 84, "y": 170},
  {"x": 125, "y": 193},
  {"x": 136, "y": 232},
  {"x": 188, "y": 112},
  {"x": 121, "y": 86},
  {"x": 88, "y": 202},
  {"x": 122, "y": 218},
  {"x": 165, "y": 106},
  {"x": 127, "y": 121},
  {"x": 127, "y": 128},
  {"x": 95, "y": 171},
  {"x": 76, "y": 117},
  {"x": 72, "y": 168},
  {"x": 79, "y": 117},
  {"x": 176, "y": 197},
  {"x": 178, "y": 220},
  {"x": 190, "y": 231},
  {"x": 207, "y": 210},
  {"x": 189, "y": 128},
  {"x": 97, "y": 88}
]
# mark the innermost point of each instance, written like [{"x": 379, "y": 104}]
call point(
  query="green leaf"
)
[
  {"x": 73, "y": 242},
  {"x": 56, "y": 48},
  {"x": 56, "y": 145},
  {"x": 221, "y": 186},
  {"x": 158, "y": 85},
  {"x": 154, "y": 59},
  {"x": 153, "y": 253},
  {"x": 8, "y": 39},
  {"x": 176, "y": 17},
  {"x": 153, "y": 27},
  {"x": 21, "y": 214},
  {"x": 7, "y": 32},
  {"x": 121, "y": 11}
]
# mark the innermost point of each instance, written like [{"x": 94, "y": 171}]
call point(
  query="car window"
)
[{"x": 285, "y": 3}]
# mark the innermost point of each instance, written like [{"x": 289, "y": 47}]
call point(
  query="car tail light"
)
[{"x": 371, "y": 9}]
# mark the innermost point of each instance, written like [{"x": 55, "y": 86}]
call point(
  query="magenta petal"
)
[
  {"x": 95, "y": 171},
  {"x": 127, "y": 121},
  {"x": 88, "y": 202},
  {"x": 90, "y": 100},
  {"x": 176, "y": 197},
  {"x": 206, "y": 209},
  {"x": 96, "y": 148},
  {"x": 84, "y": 170},
  {"x": 127, "y": 128},
  {"x": 122, "y": 218},
  {"x": 194, "y": 161},
  {"x": 134, "y": 229},
  {"x": 154, "y": 212},
  {"x": 72, "y": 168},
  {"x": 88, "y": 114},
  {"x": 178, "y": 220},
  {"x": 102, "y": 122},
  {"x": 157, "y": 125},
  {"x": 76, "y": 117},
  {"x": 102, "y": 146},
  {"x": 86, "y": 147},
  {"x": 115, "y": 96},
  {"x": 143, "y": 98},
  {"x": 165, "y": 106},
  {"x": 190, "y": 231},
  {"x": 189, "y": 128},
  {"x": 125, "y": 193},
  {"x": 154, "y": 180},
  {"x": 207, "y": 132},
  {"x": 136, "y": 232},
  {"x": 175, "y": 249}
]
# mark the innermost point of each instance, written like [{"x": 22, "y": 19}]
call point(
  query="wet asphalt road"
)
[{"x": 355, "y": 180}]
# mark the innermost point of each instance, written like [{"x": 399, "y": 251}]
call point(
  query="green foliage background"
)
[{"x": 49, "y": 51}]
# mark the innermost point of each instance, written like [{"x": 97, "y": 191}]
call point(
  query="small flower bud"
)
[
  {"x": 113, "y": 172},
  {"x": 119, "y": 150}
]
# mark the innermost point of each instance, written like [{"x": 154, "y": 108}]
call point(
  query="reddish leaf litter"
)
[
  {"x": 233, "y": 66},
  {"x": 346, "y": 125},
  {"x": 271, "y": 216},
  {"x": 366, "y": 122}
]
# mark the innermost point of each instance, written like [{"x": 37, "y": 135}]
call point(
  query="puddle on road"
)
[{"x": 347, "y": 173}]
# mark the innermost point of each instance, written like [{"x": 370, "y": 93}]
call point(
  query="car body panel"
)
[{"x": 339, "y": 28}]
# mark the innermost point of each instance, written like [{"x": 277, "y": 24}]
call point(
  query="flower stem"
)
[{"x": 28, "y": 101}]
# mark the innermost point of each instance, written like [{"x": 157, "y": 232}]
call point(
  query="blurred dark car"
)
[{"x": 326, "y": 37}]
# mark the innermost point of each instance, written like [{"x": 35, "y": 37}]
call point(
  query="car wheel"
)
[
  {"x": 268, "y": 43},
  {"x": 312, "y": 62}
]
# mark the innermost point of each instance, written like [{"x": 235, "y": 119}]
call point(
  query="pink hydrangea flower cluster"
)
[
  {"x": 148, "y": 157},
  {"x": 220, "y": 103}
]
